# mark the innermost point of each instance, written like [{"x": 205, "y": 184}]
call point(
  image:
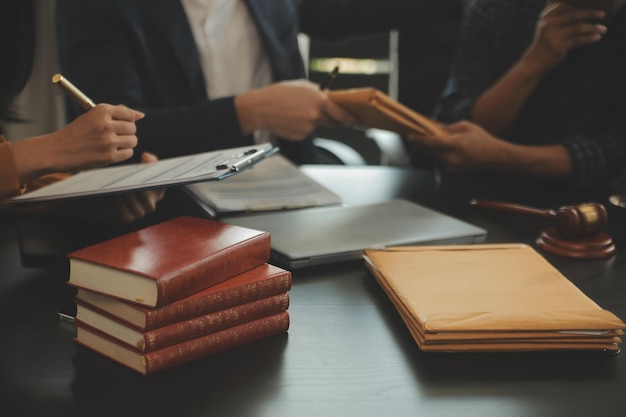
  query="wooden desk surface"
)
[{"x": 347, "y": 352}]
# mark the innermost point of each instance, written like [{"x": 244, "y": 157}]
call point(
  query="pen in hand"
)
[
  {"x": 78, "y": 96},
  {"x": 330, "y": 77}
]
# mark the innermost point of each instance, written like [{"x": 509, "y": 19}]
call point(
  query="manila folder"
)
[
  {"x": 485, "y": 291},
  {"x": 373, "y": 108}
]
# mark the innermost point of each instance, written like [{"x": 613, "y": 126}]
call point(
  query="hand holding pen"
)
[
  {"x": 104, "y": 134},
  {"x": 329, "y": 79},
  {"x": 71, "y": 90}
]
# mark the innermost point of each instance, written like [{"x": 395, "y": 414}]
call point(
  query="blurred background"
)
[{"x": 409, "y": 63}]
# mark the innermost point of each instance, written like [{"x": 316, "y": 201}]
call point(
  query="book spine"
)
[
  {"x": 210, "y": 323},
  {"x": 216, "y": 342},
  {"x": 214, "y": 268},
  {"x": 187, "y": 309}
]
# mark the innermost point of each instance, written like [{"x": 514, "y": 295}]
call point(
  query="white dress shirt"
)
[{"x": 231, "y": 53}]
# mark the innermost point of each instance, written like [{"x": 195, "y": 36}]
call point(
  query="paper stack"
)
[{"x": 481, "y": 298}]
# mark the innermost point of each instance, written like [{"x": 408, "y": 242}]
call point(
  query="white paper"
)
[
  {"x": 208, "y": 166},
  {"x": 275, "y": 184}
]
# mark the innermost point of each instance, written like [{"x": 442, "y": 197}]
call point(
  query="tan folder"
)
[
  {"x": 489, "y": 298},
  {"x": 373, "y": 108}
]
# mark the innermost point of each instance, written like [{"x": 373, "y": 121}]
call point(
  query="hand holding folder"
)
[
  {"x": 375, "y": 109},
  {"x": 490, "y": 298}
]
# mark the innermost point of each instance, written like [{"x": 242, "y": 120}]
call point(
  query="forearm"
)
[
  {"x": 247, "y": 106},
  {"x": 549, "y": 162},
  {"x": 13, "y": 182},
  {"x": 9, "y": 178},
  {"x": 33, "y": 158},
  {"x": 497, "y": 108}
]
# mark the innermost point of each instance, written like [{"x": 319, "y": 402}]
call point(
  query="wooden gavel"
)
[{"x": 569, "y": 221}]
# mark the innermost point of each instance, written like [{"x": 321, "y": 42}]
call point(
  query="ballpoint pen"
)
[
  {"x": 78, "y": 96},
  {"x": 330, "y": 77}
]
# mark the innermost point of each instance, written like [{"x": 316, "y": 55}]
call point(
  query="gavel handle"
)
[{"x": 513, "y": 208}]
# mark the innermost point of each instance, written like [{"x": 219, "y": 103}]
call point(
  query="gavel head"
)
[{"x": 580, "y": 220}]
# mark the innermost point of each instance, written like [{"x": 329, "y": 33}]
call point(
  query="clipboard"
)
[{"x": 207, "y": 166}]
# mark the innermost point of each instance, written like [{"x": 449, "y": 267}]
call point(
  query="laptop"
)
[{"x": 324, "y": 235}]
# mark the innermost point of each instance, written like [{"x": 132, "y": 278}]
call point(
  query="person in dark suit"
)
[{"x": 150, "y": 55}]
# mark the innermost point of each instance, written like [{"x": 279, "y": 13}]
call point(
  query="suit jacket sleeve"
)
[
  {"x": 141, "y": 53},
  {"x": 111, "y": 52}
]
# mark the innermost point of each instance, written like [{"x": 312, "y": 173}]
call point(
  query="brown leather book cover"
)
[
  {"x": 490, "y": 297},
  {"x": 184, "y": 330},
  {"x": 373, "y": 108},
  {"x": 168, "y": 261},
  {"x": 159, "y": 360},
  {"x": 261, "y": 282}
]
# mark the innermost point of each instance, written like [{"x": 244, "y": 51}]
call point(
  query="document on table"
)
[
  {"x": 276, "y": 184},
  {"x": 490, "y": 297},
  {"x": 207, "y": 166}
]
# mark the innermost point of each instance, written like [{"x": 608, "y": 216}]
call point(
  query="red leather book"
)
[
  {"x": 168, "y": 357},
  {"x": 168, "y": 261},
  {"x": 184, "y": 330},
  {"x": 261, "y": 282}
]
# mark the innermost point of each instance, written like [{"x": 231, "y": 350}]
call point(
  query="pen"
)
[
  {"x": 330, "y": 77},
  {"x": 78, "y": 96}
]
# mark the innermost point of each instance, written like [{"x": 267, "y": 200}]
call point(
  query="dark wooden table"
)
[{"x": 347, "y": 352}]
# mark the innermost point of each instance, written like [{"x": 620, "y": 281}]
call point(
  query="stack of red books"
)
[{"x": 177, "y": 291}]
